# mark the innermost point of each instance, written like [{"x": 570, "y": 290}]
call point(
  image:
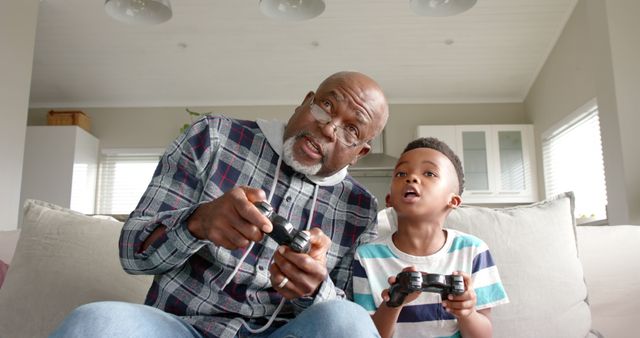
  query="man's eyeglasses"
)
[{"x": 346, "y": 135}]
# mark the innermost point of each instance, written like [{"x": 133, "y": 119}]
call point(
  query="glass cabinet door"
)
[
  {"x": 474, "y": 152},
  {"x": 512, "y": 165},
  {"x": 498, "y": 160}
]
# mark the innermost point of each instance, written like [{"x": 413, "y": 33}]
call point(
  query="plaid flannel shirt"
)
[{"x": 215, "y": 155}]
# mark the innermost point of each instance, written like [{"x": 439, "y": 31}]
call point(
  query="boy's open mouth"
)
[{"x": 410, "y": 192}]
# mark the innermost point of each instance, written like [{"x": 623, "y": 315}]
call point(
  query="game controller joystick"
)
[
  {"x": 283, "y": 232},
  {"x": 411, "y": 281}
]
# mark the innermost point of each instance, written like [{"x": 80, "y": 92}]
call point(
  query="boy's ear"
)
[{"x": 454, "y": 201}]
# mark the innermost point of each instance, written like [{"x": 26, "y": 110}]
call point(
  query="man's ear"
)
[
  {"x": 387, "y": 200},
  {"x": 366, "y": 148},
  {"x": 306, "y": 99},
  {"x": 454, "y": 201}
]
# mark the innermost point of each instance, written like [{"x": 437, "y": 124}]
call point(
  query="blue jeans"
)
[{"x": 337, "y": 318}]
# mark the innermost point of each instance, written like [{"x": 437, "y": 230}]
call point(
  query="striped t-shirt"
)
[{"x": 375, "y": 262}]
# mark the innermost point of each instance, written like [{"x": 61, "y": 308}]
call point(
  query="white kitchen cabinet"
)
[
  {"x": 60, "y": 166},
  {"x": 498, "y": 160}
]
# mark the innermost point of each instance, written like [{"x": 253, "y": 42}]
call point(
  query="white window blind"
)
[
  {"x": 123, "y": 177},
  {"x": 572, "y": 157}
]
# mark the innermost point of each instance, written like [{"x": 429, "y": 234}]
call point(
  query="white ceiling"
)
[{"x": 225, "y": 52}]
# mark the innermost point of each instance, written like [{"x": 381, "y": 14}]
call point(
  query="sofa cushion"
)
[
  {"x": 610, "y": 255},
  {"x": 8, "y": 241},
  {"x": 63, "y": 259},
  {"x": 3, "y": 271},
  {"x": 534, "y": 247}
]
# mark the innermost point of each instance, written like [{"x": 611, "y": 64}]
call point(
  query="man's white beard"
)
[{"x": 287, "y": 157}]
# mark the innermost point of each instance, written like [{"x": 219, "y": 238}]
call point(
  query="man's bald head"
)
[{"x": 369, "y": 92}]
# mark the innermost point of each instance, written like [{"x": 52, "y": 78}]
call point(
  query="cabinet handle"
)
[
  {"x": 510, "y": 192},
  {"x": 480, "y": 192}
]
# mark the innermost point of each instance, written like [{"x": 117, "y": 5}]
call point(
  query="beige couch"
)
[{"x": 64, "y": 259}]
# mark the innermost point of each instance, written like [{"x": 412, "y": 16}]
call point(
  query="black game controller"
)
[
  {"x": 411, "y": 281},
  {"x": 283, "y": 232}
]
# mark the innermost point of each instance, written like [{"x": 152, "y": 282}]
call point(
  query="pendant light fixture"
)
[
  {"x": 292, "y": 10},
  {"x": 440, "y": 7},
  {"x": 148, "y": 12}
]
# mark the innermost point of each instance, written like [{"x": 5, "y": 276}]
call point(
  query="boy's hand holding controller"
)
[
  {"x": 408, "y": 282},
  {"x": 462, "y": 306},
  {"x": 386, "y": 296}
]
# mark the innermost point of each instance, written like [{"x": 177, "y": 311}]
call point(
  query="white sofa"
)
[{"x": 64, "y": 259}]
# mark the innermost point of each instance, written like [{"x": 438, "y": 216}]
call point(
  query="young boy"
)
[{"x": 427, "y": 184}]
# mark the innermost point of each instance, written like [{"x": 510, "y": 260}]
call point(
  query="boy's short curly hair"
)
[{"x": 436, "y": 144}]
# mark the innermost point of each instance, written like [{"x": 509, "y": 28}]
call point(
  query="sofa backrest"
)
[
  {"x": 535, "y": 249},
  {"x": 63, "y": 259}
]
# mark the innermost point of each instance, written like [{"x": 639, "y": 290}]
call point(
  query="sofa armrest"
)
[
  {"x": 611, "y": 259},
  {"x": 8, "y": 241}
]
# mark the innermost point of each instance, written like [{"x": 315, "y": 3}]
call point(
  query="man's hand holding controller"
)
[
  {"x": 238, "y": 217},
  {"x": 231, "y": 220},
  {"x": 301, "y": 257},
  {"x": 283, "y": 232}
]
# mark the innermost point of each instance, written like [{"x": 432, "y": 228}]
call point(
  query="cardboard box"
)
[{"x": 69, "y": 118}]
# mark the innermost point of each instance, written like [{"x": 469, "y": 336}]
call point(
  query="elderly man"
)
[{"x": 198, "y": 230}]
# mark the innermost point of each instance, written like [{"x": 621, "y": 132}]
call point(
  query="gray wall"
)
[
  {"x": 621, "y": 100},
  {"x": 152, "y": 127},
  {"x": 157, "y": 127},
  {"x": 17, "y": 39},
  {"x": 596, "y": 57}
]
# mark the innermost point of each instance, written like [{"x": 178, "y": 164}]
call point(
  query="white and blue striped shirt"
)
[{"x": 375, "y": 262}]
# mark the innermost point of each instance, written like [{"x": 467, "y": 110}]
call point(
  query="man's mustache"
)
[{"x": 307, "y": 134}]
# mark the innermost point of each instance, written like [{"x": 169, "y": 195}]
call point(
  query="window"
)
[
  {"x": 572, "y": 156},
  {"x": 123, "y": 177}
]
